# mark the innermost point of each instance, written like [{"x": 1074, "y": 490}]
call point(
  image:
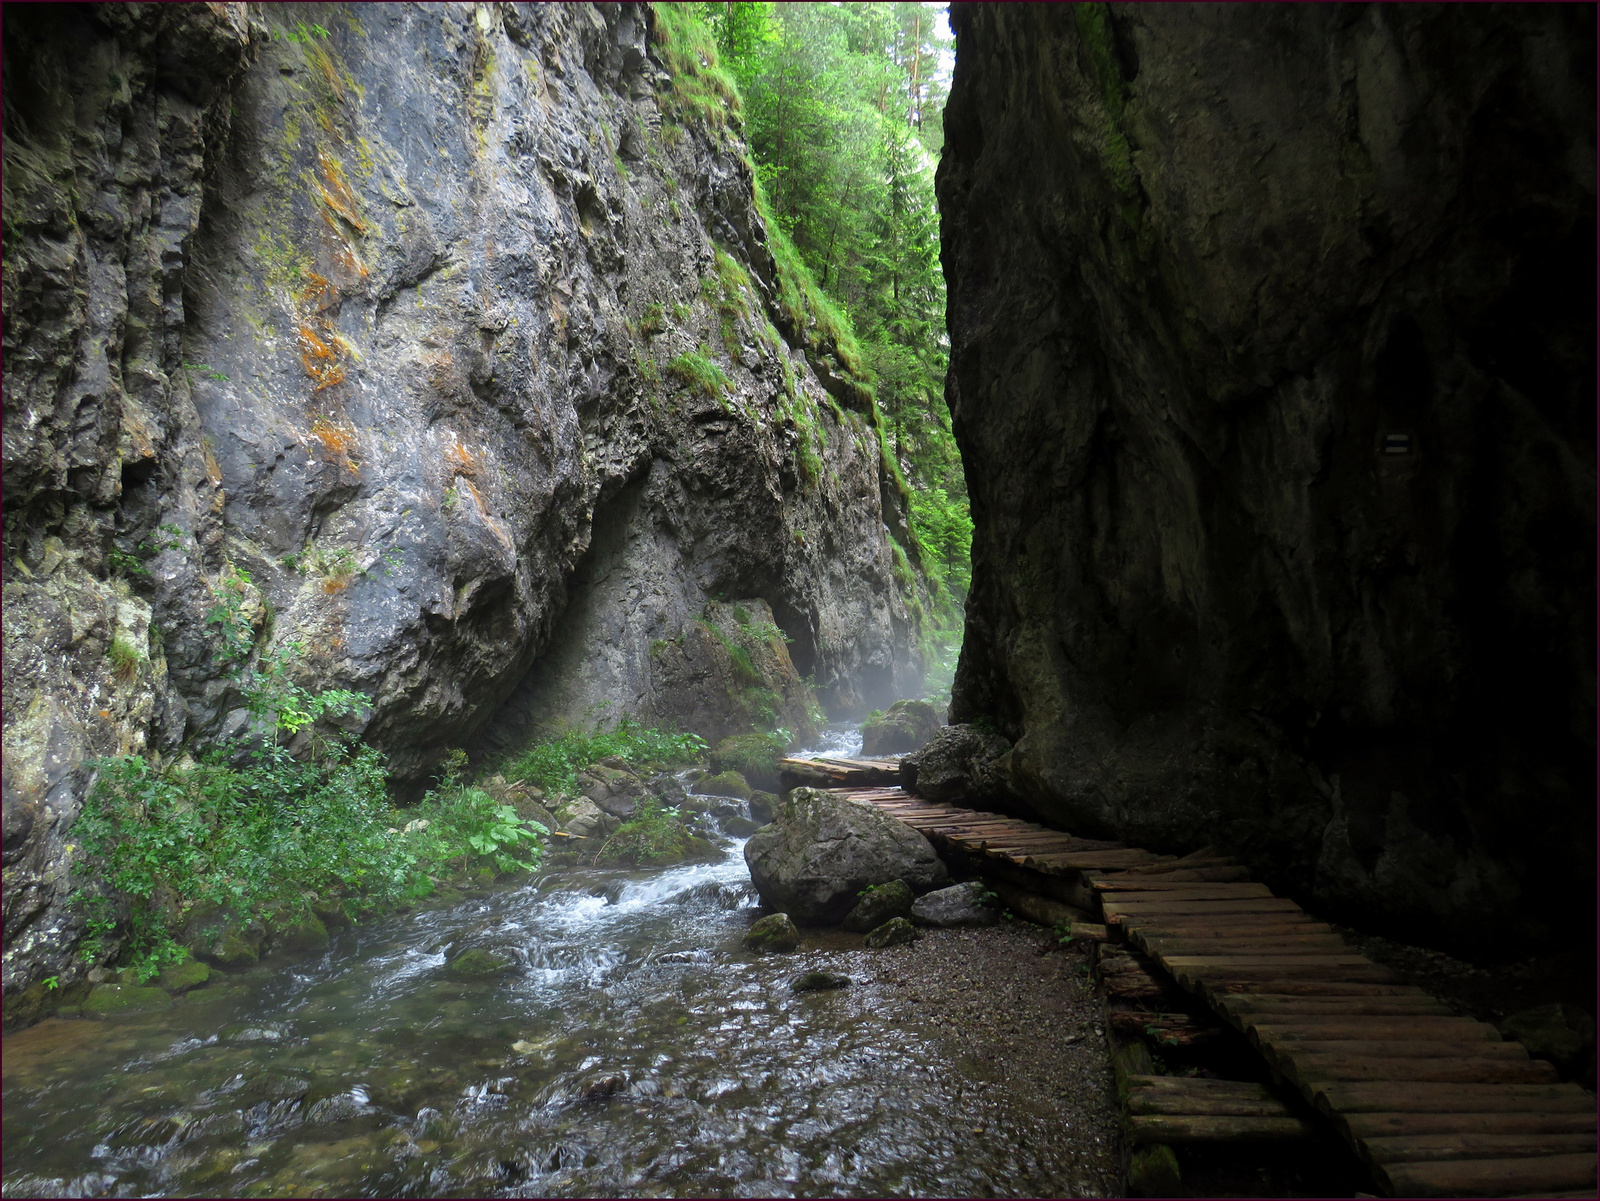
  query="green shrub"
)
[
  {"x": 700, "y": 373},
  {"x": 554, "y": 765},
  {"x": 652, "y": 835}
]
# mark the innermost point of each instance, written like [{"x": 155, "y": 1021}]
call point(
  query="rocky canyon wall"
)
[
  {"x": 1273, "y": 336},
  {"x": 360, "y": 322}
]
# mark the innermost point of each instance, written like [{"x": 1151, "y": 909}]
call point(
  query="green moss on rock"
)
[
  {"x": 727, "y": 783},
  {"x": 115, "y": 1000},
  {"x": 478, "y": 964},
  {"x": 775, "y": 932},
  {"x": 896, "y": 932},
  {"x": 181, "y": 977}
]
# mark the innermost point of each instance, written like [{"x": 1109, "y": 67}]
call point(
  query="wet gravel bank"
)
[{"x": 1018, "y": 1017}]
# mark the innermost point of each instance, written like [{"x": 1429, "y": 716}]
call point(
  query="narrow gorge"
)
[{"x": 596, "y": 594}]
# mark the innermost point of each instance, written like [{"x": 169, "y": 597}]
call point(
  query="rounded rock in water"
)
[{"x": 775, "y": 932}]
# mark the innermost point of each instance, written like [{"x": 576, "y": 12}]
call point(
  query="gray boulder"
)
[
  {"x": 959, "y": 905},
  {"x": 896, "y": 932},
  {"x": 878, "y": 904},
  {"x": 905, "y": 726},
  {"x": 820, "y": 852},
  {"x": 762, "y": 805},
  {"x": 582, "y": 817},
  {"x": 959, "y": 763},
  {"x": 1562, "y": 1034}
]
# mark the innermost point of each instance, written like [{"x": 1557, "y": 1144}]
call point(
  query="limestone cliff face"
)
[
  {"x": 399, "y": 311},
  {"x": 1273, "y": 369}
]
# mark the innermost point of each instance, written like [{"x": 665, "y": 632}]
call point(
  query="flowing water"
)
[{"x": 636, "y": 1049}]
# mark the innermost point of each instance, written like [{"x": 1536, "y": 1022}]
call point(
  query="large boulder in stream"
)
[
  {"x": 904, "y": 726},
  {"x": 820, "y": 852}
]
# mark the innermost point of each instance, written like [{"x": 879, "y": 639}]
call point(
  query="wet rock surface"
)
[
  {"x": 775, "y": 932},
  {"x": 958, "y": 763},
  {"x": 1272, "y": 368},
  {"x": 820, "y": 852},
  {"x": 877, "y": 905},
  {"x": 968, "y": 904},
  {"x": 364, "y": 315}
]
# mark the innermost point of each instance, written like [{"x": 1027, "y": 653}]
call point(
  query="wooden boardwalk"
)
[{"x": 1436, "y": 1105}]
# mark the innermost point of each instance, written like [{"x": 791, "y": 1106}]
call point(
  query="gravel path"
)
[{"x": 1019, "y": 1018}]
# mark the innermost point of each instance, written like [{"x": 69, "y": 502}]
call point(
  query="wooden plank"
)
[
  {"x": 1376, "y": 1125},
  {"x": 1247, "y": 890},
  {"x": 1169, "y": 864},
  {"x": 1400, "y": 1096},
  {"x": 1254, "y": 959},
  {"x": 1244, "y": 1101},
  {"x": 1422, "y": 1148},
  {"x": 1187, "y": 1085},
  {"x": 1124, "y": 881},
  {"x": 1169, "y": 1029},
  {"x": 1085, "y": 860},
  {"x": 1267, "y": 944},
  {"x": 1215, "y": 985},
  {"x": 1538, "y": 1175},
  {"x": 1205, "y": 1128},
  {"x": 1279, "y": 971},
  {"x": 1281, "y": 1051},
  {"x": 1114, "y": 903},
  {"x": 1263, "y": 1008},
  {"x": 1362, "y": 1026},
  {"x": 1316, "y": 1069}
]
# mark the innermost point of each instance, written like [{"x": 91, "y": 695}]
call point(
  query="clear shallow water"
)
[{"x": 636, "y": 1049}]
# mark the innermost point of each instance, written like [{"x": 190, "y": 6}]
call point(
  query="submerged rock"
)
[
  {"x": 878, "y": 904},
  {"x": 904, "y": 726},
  {"x": 896, "y": 932},
  {"x": 959, "y": 905},
  {"x": 959, "y": 763},
  {"x": 479, "y": 964},
  {"x": 775, "y": 932},
  {"x": 819, "y": 982},
  {"x": 820, "y": 851}
]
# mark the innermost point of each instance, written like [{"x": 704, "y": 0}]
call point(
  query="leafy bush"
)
[
  {"x": 652, "y": 835},
  {"x": 554, "y": 765}
]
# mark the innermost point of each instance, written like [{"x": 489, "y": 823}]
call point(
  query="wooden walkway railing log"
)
[{"x": 1435, "y": 1104}]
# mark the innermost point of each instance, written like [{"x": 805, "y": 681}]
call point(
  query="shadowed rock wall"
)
[
  {"x": 378, "y": 304},
  {"x": 1207, "y": 266}
]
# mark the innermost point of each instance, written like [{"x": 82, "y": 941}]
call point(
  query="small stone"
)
[
  {"x": 819, "y": 982},
  {"x": 775, "y": 932},
  {"x": 896, "y": 932},
  {"x": 599, "y": 1087}
]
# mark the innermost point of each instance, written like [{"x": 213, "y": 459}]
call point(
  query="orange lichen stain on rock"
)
[
  {"x": 333, "y": 584},
  {"x": 338, "y": 439},
  {"x": 213, "y": 468},
  {"x": 335, "y": 192},
  {"x": 462, "y": 460},
  {"x": 320, "y": 355}
]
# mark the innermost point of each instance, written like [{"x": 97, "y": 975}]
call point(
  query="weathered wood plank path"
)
[{"x": 1435, "y": 1104}]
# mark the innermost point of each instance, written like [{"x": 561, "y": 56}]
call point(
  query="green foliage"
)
[
  {"x": 125, "y": 658},
  {"x": 230, "y": 595},
  {"x": 753, "y": 756},
  {"x": 701, "y": 89},
  {"x": 698, "y": 371},
  {"x": 652, "y": 835},
  {"x": 204, "y": 369},
  {"x": 653, "y": 322},
  {"x": 554, "y": 765},
  {"x": 1063, "y": 932}
]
